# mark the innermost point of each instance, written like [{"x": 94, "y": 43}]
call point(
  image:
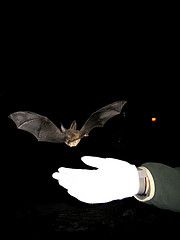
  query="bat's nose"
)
[{"x": 67, "y": 140}]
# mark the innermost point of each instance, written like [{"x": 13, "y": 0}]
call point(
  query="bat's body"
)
[
  {"x": 44, "y": 130},
  {"x": 71, "y": 135}
]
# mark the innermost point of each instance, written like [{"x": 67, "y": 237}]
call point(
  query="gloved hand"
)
[{"x": 113, "y": 179}]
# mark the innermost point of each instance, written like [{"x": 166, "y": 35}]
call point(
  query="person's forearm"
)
[{"x": 164, "y": 186}]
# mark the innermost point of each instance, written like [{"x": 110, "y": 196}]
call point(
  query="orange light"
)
[{"x": 153, "y": 119}]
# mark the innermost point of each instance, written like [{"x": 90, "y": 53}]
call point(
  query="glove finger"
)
[
  {"x": 93, "y": 161},
  {"x": 79, "y": 197},
  {"x": 55, "y": 175},
  {"x": 65, "y": 181},
  {"x": 81, "y": 193},
  {"x": 88, "y": 196},
  {"x": 72, "y": 180},
  {"x": 75, "y": 172}
]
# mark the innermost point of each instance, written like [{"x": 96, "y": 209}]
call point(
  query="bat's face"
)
[{"x": 72, "y": 137}]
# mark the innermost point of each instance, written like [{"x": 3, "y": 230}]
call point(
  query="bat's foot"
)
[{"x": 73, "y": 143}]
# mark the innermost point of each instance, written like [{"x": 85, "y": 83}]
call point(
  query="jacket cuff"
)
[{"x": 150, "y": 194}]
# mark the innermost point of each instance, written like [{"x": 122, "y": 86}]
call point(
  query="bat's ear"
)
[
  {"x": 123, "y": 102},
  {"x": 73, "y": 125},
  {"x": 63, "y": 129}
]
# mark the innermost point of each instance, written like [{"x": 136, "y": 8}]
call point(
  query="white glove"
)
[{"x": 113, "y": 179}]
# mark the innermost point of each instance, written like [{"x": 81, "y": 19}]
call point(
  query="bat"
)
[{"x": 45, "y": 130}]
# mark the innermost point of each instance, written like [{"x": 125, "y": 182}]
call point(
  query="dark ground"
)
[
  {"x": 122, "y": 218},
  {"x": 66, "y": 73}
]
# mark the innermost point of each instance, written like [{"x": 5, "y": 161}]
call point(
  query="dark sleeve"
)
[{"x": 164, "y": 191}]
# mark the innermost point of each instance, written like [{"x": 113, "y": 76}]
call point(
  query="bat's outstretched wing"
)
[
  {"x": 41, "y": 127},
  {"x": 100, "y": 117}
]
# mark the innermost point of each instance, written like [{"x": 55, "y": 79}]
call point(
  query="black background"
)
[{"x": 66, "y": 67}]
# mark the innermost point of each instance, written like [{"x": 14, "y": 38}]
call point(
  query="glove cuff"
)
[{"x": 142, "y": 181}]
